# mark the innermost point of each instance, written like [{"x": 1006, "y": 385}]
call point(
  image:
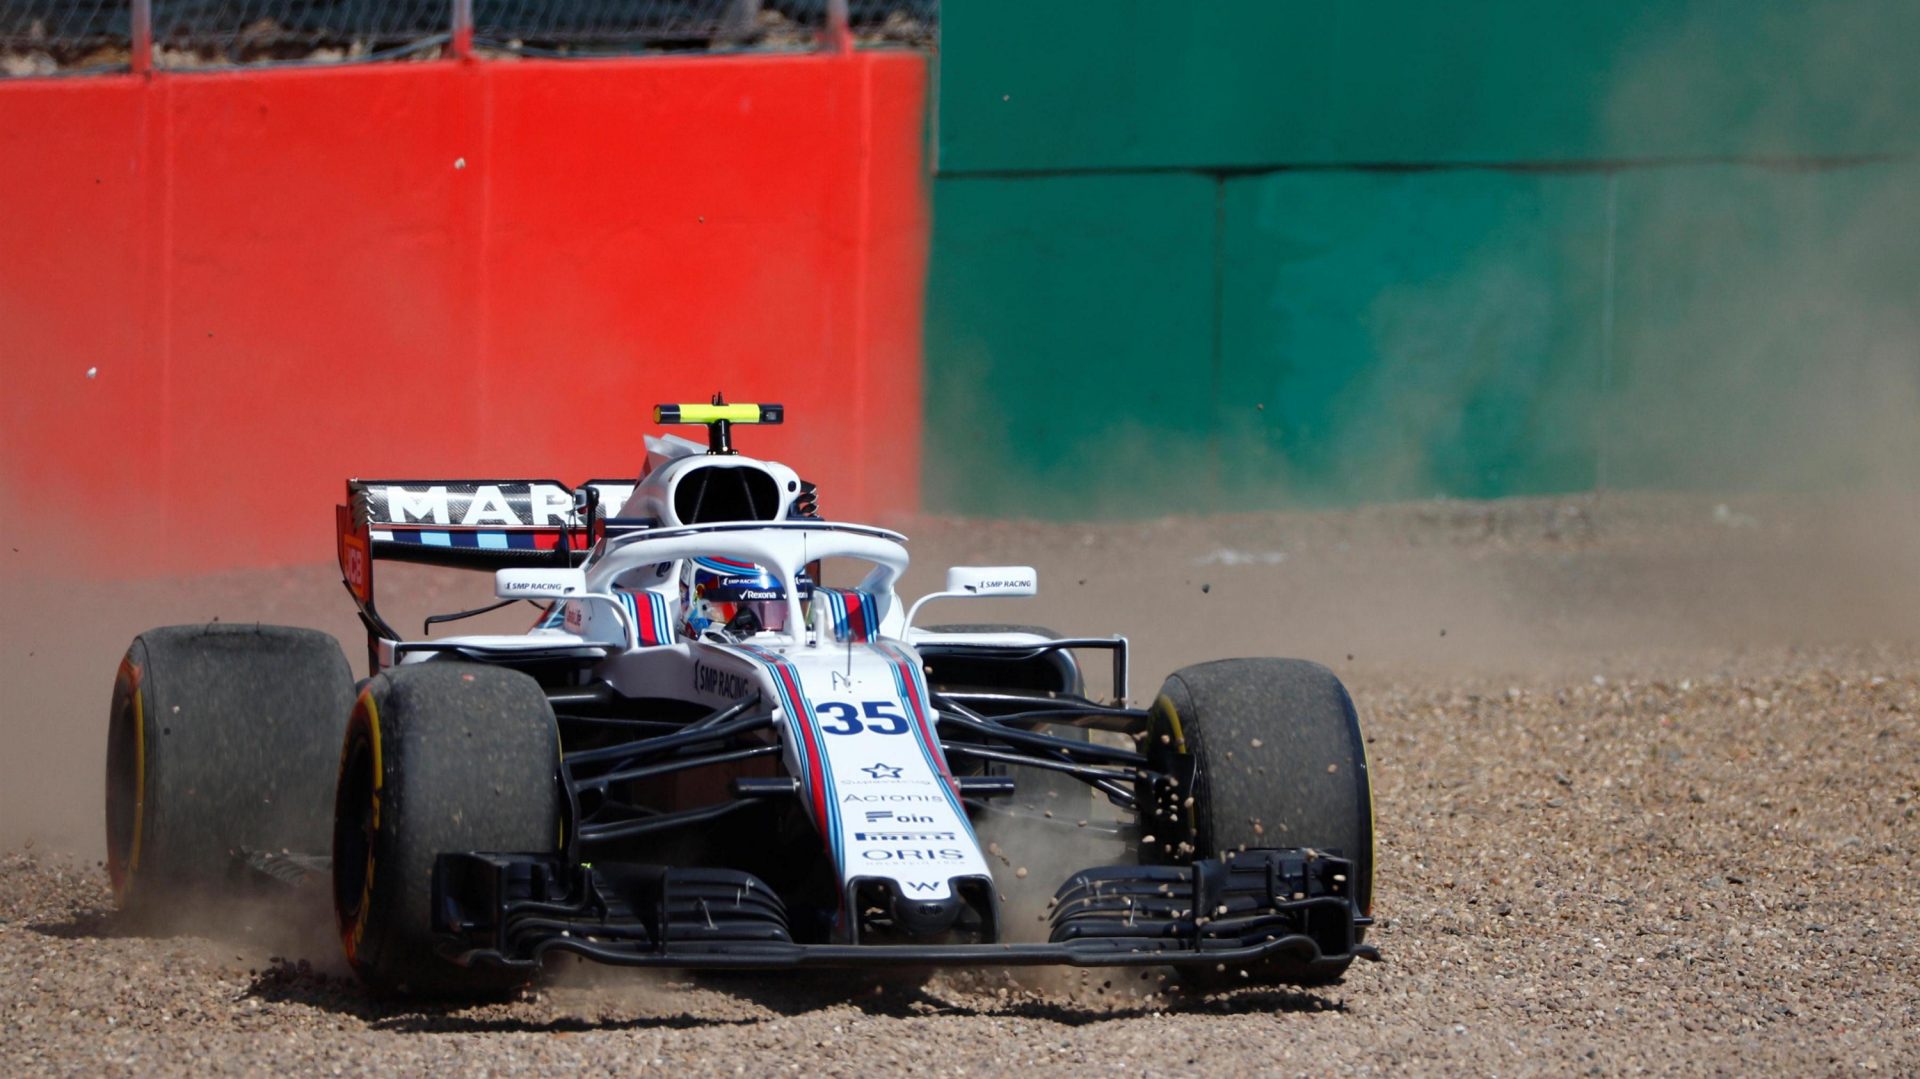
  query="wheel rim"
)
[
  {"x": 355, "y": 817},
  {"x": 126, "y": 780}
]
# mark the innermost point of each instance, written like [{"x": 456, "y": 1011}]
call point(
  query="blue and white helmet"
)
[{"x": 740, "y": 597}]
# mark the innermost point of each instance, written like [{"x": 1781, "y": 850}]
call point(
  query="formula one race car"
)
[{"x": 703, "y": 756}]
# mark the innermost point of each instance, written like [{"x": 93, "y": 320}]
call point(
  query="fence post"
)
[
  {"x": 140, "y": 43},
  {"x": 463, "y": 29},
  {"x": 838, "y": 34},
  {"x": 740, "y": 23}
]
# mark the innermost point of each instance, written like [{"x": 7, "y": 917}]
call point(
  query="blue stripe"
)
[
  {"x": 494, "y": 540},
  {"x": 727, "y": 566},
  {"x": 654, "y": 621},
  {"x": 633, "y": 615},
  {"x": 837, "y": 609},
  {"x": 662, "y": 620},
  {"x": 843, "y": 620},
  {"x": 927, "y": 751},
  {"x": 843, "y": 627},
  {"x": 802, "y": 712}
]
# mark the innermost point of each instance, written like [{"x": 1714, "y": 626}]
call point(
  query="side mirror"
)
[
  {"x": 532, "y": 583},
  {"x": 991, "y": 581},
  {"x": 972, "y": 581}
]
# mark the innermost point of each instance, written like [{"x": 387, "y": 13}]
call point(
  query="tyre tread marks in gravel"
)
[
  {"x": 468, "y": 759},
  {"x": 221, "y": 737},
  {"x": 1281, "y": 761}
]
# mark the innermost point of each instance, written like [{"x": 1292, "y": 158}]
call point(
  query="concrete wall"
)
[
  {"x": 1264, "y": 253},
  {"x": 281, "y": 278}
]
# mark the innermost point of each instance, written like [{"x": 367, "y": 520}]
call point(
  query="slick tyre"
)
[
  {"x": 1278, "y": 761},
  {"x": 438, "y": 758},
  {"x": 221, "y": 740}
]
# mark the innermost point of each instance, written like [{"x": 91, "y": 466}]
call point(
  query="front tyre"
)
[
  {"x": 1277, "y": 760},
  {"x": 438, "y": 758}
]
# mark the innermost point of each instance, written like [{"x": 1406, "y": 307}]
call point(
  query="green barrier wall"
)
[{"x": 1254, "y": 254}]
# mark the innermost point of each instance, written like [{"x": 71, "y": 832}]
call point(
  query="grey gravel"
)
[{"x": 1643, "y": 817}]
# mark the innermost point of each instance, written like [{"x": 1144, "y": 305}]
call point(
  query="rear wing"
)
[
  {"x": 470, "y": 524},
  {"x": 484, "y": 524}
]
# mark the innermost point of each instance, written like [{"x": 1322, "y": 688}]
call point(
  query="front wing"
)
[{"x": 1288, "y": 910}]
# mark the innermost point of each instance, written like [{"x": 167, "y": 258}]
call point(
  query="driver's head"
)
[{"x": 740, "y": 597}]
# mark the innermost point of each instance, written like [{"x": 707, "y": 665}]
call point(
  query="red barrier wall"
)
[{"x": 286, "y": 277}]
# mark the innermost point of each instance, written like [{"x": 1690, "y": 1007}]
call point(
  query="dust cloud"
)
[
  {"x": 1756, "y": 355},
  {"x": 1520, "y": 589}
]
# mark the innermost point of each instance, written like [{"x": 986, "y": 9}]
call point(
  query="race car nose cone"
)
[{"x": 926, "y": 917}]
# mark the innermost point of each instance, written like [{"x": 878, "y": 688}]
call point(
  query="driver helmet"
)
[{"x": 741, "y": 597}]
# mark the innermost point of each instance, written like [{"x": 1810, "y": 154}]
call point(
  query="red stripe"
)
[
  {"x": 816, "y": 766},
  {"x": 645, "y": 614},
  {"x": 816, "y": 769},
  {"x": 856, "y": 625},
  {"x": 920, "y": 715}
]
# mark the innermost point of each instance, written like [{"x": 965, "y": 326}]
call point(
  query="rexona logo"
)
[
  {"x": 913, "y": 854},
  {"x": 720, "y": 683}
]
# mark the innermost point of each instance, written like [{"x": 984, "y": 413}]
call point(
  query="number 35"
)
[{"x": 880, "y": 717}]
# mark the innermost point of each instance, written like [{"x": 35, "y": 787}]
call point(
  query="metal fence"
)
[
  {"x": 195, "y": 33},
  {"x": 542, "y": 27},
  {"x": 45, "y": 37}
]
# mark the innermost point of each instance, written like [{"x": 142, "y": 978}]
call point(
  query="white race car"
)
[{"x": 703, "y": 756}]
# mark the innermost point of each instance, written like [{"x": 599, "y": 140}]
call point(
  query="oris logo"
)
[{"x": 913, "y": 854}]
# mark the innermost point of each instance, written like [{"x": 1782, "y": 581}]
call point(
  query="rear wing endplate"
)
[{"x": 469, "y": 524}]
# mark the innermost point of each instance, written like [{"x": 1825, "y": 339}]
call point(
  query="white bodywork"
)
[{"x": 855, "y": 718}]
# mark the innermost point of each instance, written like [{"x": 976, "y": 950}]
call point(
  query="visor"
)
[{"x": 756, "y": 592}]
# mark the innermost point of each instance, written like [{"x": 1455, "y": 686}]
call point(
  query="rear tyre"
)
[
  {"x": 1278, "y": 761},
  {"x": 222, "y": 739},
  {"x": 438, "y": 758}
]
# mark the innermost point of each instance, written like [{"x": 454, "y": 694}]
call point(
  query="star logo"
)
[{"x": 882, "y": 771}]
